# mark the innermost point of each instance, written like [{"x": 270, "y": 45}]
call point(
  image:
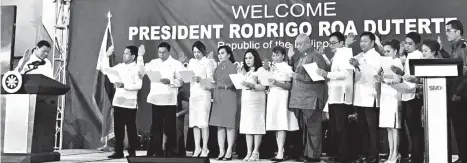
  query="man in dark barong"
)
[{"x": 307, "y": 99}]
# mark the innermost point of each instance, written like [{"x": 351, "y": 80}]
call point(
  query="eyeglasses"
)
[
  {"x": 451, "y": 30},
  {"x": 333, "y": 43}
]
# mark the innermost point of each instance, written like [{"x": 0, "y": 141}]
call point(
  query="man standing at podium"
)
[
  {"x": 457, "y": 87},
  {"x": 35, "y": 60},
  {"x": 125, "y": 99}
]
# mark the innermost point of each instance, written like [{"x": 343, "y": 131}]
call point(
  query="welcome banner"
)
[{"x": 241, "y": 24}]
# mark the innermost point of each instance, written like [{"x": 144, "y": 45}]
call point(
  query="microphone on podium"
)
[{"x": 37, "y": 63}]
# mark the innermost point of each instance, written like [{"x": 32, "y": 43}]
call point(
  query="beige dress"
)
[
  {"x": 253, "y": 107},
  {"x": 200, "y": 97},
  {"x": 390, "y": 99},
  {"x": 278, "y": 116}
]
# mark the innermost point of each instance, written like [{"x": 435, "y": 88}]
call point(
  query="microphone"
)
[{"x": 37, "y": 63}]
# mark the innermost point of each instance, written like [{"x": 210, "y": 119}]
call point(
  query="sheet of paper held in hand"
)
[
  {"x": 237, "y": 80},
  {"x": 264, "y": 77},
  {"x": 154, "y": 76},
  {"x": 186, "y": 75},
  {"x": 112, "y": 74},
  {"x": 386, "y": 63},
  {"x": 311, "y": 70}
]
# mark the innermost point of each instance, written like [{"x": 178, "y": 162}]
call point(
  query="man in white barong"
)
[
  {"x": 163, "y": 97},
  {"x": 366, "y": 99},
  {"x": 340, "y": 93}
]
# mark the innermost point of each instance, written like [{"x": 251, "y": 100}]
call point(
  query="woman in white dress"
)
[
  {"x": 389, "y": 116},
  {"x": 253, "y": 104},
  {"x": 278, "y": 116},
  {"x": 200, "y": 97}
]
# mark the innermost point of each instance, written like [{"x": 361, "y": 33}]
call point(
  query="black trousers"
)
[
  {"x": 368, "y": 122},
  {"x": 163, "y": 121},
  {"x": 458, "y": 113},
  {"x": 412, "y": 114},
  {"x": 404, "y": 137},
  {"x": 339, "y": 125},
  {"x": 125, "y": 117}
]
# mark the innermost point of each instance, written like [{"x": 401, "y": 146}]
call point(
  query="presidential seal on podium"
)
[{"x": 12, "y": 81}]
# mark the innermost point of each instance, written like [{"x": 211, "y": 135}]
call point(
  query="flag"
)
[{"x": 103, "y": 89}]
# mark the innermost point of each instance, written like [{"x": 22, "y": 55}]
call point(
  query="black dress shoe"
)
[
  {"x": 221, "y": 157},
  {"x": 131, "y": 154},
  {"x": 227, "y": 159},
  {"x": 372, "y": 160},
  {"x": 313, "y": 160},
  {"x": 116, "y": 155},
  {"x": 301, "y": 159},
  {"x": 277, "y": 159},
  {"x": 405, "y": 160}
]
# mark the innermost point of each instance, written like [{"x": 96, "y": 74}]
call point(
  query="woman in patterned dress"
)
[
  {"x": 253, "y": 104},
  {"x": 200, "y": 97},
  {"x": 278, "y": 116},
  {"x": 224, "y": 108}
]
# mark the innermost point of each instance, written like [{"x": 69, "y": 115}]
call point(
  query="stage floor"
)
[{"x": 88, "y": 155}]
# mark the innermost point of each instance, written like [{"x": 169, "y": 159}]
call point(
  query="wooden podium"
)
[
  {"x": 28, "y": 119},
  {"x": 434, "y": 73}
]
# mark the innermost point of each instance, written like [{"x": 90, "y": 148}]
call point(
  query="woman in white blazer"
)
[
  {"x": 390, "y": 99},
  {"x": 200, "y": 97}
]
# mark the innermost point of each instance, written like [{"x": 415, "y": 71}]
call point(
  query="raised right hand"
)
[
  {"x": 210, "y": 55},
  {"x": 27, "y": 55},
  {"x": 291, "y": 52},
  {"x": 141, "y": 50},
  {"x": 349, "y": 40},
  {"x": 440, "y": 42},
  {"x": 182, "y": 57},
  {"x": 110, "y": 51}
]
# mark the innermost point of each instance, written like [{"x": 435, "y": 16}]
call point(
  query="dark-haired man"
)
[
  {"x": 35, "y": 60},
  {"x": 125, "y": 99},
  {"x": 457, "y": 87},
  {"x": 340, "y": 93},
  {"x": 366, "y": 99},
  {"x": 411, "y": 104},
  {"x": 163, "y": 97}
]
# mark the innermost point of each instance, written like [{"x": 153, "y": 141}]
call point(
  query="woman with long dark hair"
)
[
  {"x": 253, "y": 104},
  {"x": 224, "y": 109}
]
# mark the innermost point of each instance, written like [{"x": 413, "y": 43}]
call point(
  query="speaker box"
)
[{"x": 145, "y": 159}]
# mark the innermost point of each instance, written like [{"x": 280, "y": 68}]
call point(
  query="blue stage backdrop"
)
[{"x": 242, "y": 24}]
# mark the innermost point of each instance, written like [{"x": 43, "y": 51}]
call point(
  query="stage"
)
[{"x": 89, "y": 155}]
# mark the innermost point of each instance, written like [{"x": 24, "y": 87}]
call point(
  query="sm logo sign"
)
[{"x": 435, "y": 87}]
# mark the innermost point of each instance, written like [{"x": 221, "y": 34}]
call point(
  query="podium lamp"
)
[
  {"x": 434, "y": 73},
  {"x": 29, "y": 112}
]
